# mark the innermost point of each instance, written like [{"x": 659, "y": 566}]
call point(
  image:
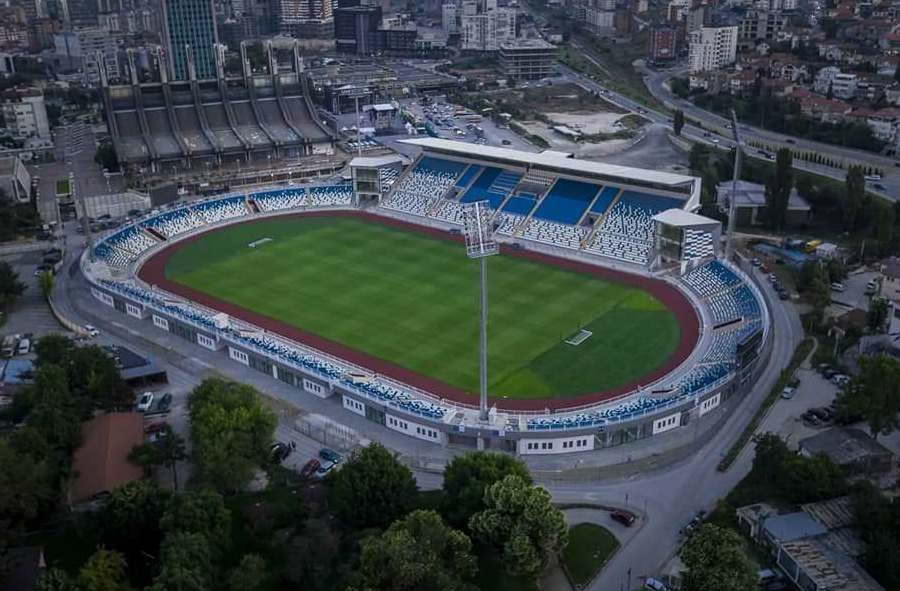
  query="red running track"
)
[{"x": 153, "y": 272}]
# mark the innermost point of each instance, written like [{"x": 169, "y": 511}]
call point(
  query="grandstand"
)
[{"x": 612, "y": 216}]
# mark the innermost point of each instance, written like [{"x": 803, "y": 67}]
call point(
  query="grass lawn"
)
[
  {"x": 413, "y": 300},
  {"x": 590, "y": 546},
  {"x": 63, "y": 187}
]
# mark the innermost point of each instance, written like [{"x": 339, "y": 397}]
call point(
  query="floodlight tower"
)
[
  {"x": 729, "y": 243},
  {"x": 480, "y": 244}
]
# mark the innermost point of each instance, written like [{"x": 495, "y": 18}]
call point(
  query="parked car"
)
[
  {"x": 145, "y": 402},
  {"x": 91, "y": 330},
  {"x": 309, "y": 468},
  {"x": 279, "y": 452},
  {"x": 165, "y": 402},
  {"x": 330, "y": 455},
  {"x": 838, "y": 286},
  {"x": 811, "y": 419},
  {"x": 756, "y": 262},
  {"x": 24, "y": 346},
  {"x": 840, "y": 379},
  {"x": 626, "y": 518},
  {"x": 788, "y": 392},
  {"x": 324, "y": 468}
]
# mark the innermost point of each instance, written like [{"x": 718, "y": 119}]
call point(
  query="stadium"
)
[{"x": 613, "y": 316}]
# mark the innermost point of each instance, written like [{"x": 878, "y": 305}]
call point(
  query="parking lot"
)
[{"x": 813, "y": 391}]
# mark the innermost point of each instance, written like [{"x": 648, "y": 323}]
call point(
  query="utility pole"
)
[{"x": 729, "y": 241}]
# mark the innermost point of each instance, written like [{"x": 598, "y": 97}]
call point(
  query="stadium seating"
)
[
  {"x": 131, "y": 240},
  {"x": 132, "y": 291},
  {"x": 698, "y": 244},
  {"x": 605, "y": 199},
  {"x": 429, "y": 180},
  {"x": 329, "y": 195},
  {"x": 703, "y": 376},
  {"x": 621, "y": 247},
  {"x": 556, "y": 234},
  {"x": 388, "y": 176},
  {"x": 451, "y": 211},
  {"x": 174, "y": 222},
  {"x": 566, "y": 201},
  {"x": 222, "y": 209},
  {"x": 112, "y": 256},
  {"x": 492, "y": 185},
  {"x": 470, "y": 173},
  {"x": 520, "y": 204},
  {"x": 506, "y": 223},
  {"x": 627, "y": 230},
  {"x": 711, "y": 278},
  {"x": 280, "y": 199}
]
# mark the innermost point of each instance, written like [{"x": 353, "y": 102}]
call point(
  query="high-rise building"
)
[
  {"x": 712, "y": 48},
  {"x": 528, "y": 59},
  {"x": 484, "y": 26},
  {"x": 79, "y": 50},
  {"x": 190, "y": 23},
  {"x": 663, "y": 44},
  {"x": 305, "y": 18},
  {"x": 356, "y": 27},
  {"x": 24, "y": 113}
]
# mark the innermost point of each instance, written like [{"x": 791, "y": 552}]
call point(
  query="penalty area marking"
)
[
  {"x": 259, "y": 242},
  {"x": 580, "y": 337}
]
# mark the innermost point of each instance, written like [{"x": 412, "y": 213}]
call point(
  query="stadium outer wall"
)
[
  {"x": 152, "y": 272},
  {"x": 708, "y": 406}
]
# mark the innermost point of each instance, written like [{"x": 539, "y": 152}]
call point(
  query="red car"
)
[
  {"x": 310, "y": 468},
  {"x": 626, "y": 518}
]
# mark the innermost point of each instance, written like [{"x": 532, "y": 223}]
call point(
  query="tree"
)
[
  {"x": 185, "y": 564},
  {"x": 250, "y": 575},
  {"x": 105, "y": 570},
  {"x": 877, "y": 314},
  {"x": 698, "y": 158},
  {"x": 106, "y": 157},
  {"x": 167, "y": 451},
  {"x": 372, "y": 489},
  {"x": 416, "y": 552},
  {"x": 778, "y": 190},
  {"x": 678, "y": 121},
  {"x": 884, "y": 228},
  {"x": 468, "y": 475},
  {"x": 26, "y": 487},
  {"x": 54, "y": 412},
  {"x": 715, "y": 559},
  {"x": 231, "y": 432},
  {"x": 53, "y": 349},
  {"x": 54, "y": 579},
  {"x": 311, "y": 556},
  {"x": 95, "y": 380},
  {"x": 46, "y": 282},
  {"x": 10, "y": 286},
  {"x": 130, "y": 524},
  {"x": 873, "y": 395},
  {"x": 523, "y": 524},
  {"x": 854, "y": 194},
  {"x": 200, "y": 512}
]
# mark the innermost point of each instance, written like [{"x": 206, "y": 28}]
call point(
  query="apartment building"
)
[{"x": 712, "y": 48}]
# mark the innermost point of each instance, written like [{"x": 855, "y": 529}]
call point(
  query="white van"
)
[{"x": 24, "y": 347}]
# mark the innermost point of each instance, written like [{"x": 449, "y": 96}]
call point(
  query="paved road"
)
[{"x": 656, "y": 83}]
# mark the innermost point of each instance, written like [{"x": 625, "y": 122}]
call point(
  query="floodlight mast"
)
[{"x": 480, "y": 244}]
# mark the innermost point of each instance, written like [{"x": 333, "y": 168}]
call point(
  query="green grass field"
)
[
  {"x": 590, "y": 546},
  {"x": 413, "y": 300}
]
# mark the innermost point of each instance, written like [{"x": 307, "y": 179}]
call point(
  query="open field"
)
[{"x": 411, "y": 299}]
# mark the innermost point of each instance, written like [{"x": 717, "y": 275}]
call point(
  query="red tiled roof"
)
[{"x": 101, "y": 463}]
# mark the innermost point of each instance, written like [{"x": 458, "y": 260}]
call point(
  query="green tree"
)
[
  {"x": 53, "y": 349},
  {"x": 231, "y": 432},
  {"x": 715, "y": 559},
  {"x": 877, "y": 314},
  {"x": 250, "y": 575},
  {"x": 106, "y": 157},
  {"x": 873, "y": 394},
  {"x": 54, "y": 412},
  {"x": 884, "y": 227},
  {"x": 26, "y": 487},
  {"x": 416, "y": 552},
  {"x": 95, "y": 380},
  {"x": 778, "y": 190},
  {"x": 185, "y": 564},
  {"x": 45, "y": 280},
  {"x": 468, "y": 475},
  {"x": 105, "y": 570},
  {"x": 130, "y": 523},
  {"x": 854, "y": 194},
  {"x": 678, "y": 121},
  {"x": 698, "y": 158},
  {"x": 372, "y": 489},
  {"x": 10, "y": 286},
  {"x": 311, "y": 556},
  {"x": 54, "y": 579},
  {"x": 199, "y": 512},
  {"x": 523, "y": 524},
  {"x": 167, "y": 451}
]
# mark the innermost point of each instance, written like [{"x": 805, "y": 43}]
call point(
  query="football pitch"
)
[{"x": 412, "y": 300}]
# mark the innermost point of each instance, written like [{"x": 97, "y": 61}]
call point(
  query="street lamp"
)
[{"x": 480, "y": 244}]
